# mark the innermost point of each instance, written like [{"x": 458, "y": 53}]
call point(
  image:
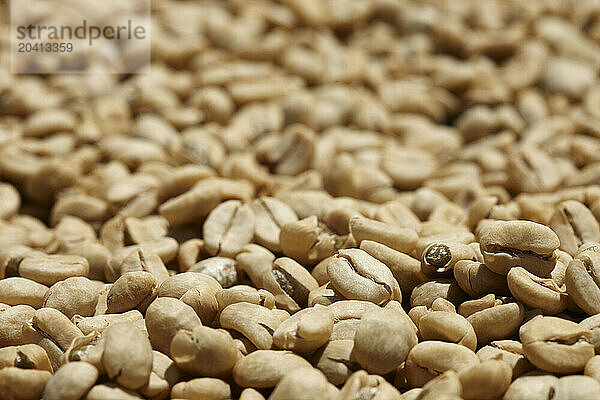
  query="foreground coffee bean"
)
[
  {"x": 430, "y": 358},
  {"x": 556, "y": 345},
  {"x": 506, "y": 244},
  {"x": 357, "y": 275},
  {"x": 382, "y": 341}
]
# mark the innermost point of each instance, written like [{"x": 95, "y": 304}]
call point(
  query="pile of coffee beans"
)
[{"x": 310, "y": 199}]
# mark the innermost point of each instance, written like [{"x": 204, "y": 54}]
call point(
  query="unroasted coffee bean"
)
[
  {"x": 440, "y": 258},
  {"x": 271, "y": 215},
  {"x": 476, "y": 279},
  {"x": 347, "y": 315},
  {"x": 575, "y": 225},
  {"x": 100, "y": 323},
  {"x": 22, "y": 384},
  {"x": 306, "y": 241},
  {"x": 537, "y": 387},
  {"x": 306, "y": 330},
  {"x": 202, "y": 388},
  {"x": 382, "y": 341},
  {"x": 265, "y": 368},
  {"x": 335, "y": 360},
  {"x": 222, "y": 269},
  {"x": 228, "y": 228},
  {"x": 535, "y": 292},
  {"x": 499, "y": 321},
  {"x": 509, "y": 351},
  {"x": 556, "y": 345},
  {"x": 28, "y": 356},
  {"x": 427, "y": 292},
  {"x": 76, "y": 295},
  {"x": 406, "y": 269},
  {"x": 204, "y": 351},
  {"x": 447, "y": 326},
  {"x": 255, "y": 322},
  {"x": 289, "y": 282},
  {"x": 132, "y": 290},
  {"x": 582, "y": 281},
  {"x": 304, "y": 383},
  {"x": 165, "y": 317},
  {"x": 55, "y": 325},
  {"x": 361, "y": 384},
  {"x": 430, "y": 358},
  {"x": 127, "y": 356},
  {"x": 357, "y": 275},
  {"x": 111, "y": 391},
  {"x": 401, "y": 239},
  {"x": 51, "y": 269},
  {"x": 71, "y": 382},
  {"x": 15, "y": 291},
  {"x": 506, "y": 244},
  {"x": 487, "y": 380}
]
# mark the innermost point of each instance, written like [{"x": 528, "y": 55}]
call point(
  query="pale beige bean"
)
[
  {"x": 306, "y": 330},
  {"x": 383, "y": 340},
  {"x": 251, "y": 394},
  {"x": 22, "y": 384},
  {"x": 202, "y": 388},
  {"x": 127, "y": 356},
  {"x": 430, "y": 358},
  {"x": 400, "y": 239},
  {"x": 357, "y": 275},
  {"x": 427, "y": 292},
  {"x": 228, "y": 228},
  {"x": 190, "y": 252},
  {"x": 224, "y": 270},
  {"x": 271, "y": 214},
  {"x": 509, "y": 351},
  {"x": 71, "y": 382},
  {"x": 87, "y": 348},
  {"x": 540, "y": 387},
  {"x": 487, "y": 380},
  {"x": 28, "y": 356},
  {"x": 575, "y": 225},
  {"x": 132, "y": 290},
  {"x": 76, "y": 295},
  {"x": 202, "y": 299},
  {"x": 243, "y": 293},
  {"x": 304, "y": 383},
  {"x": 265, "y": 368},
  {"x": 57, "y": 326},
  {"x": 439, "y": 258},
  {"x": 306, "y": 241},
  {"x": 335, "y": 360},
  {"x": 447, "y": 326},
  {"x": 204, "y": 351},
  {"x": 535, "y": 292},
  {"x": 51, "y": 269},
  {"x": 556, "y": 345},
  {"x": 164, "y": 376},
  {"x": 289, "y": 282},
  {"x": 582, "y": 283},
  {"x": 165, "y": 317},
  {"x": 442, "y": 386},
  {"x": 14, "y": 326},
  {"x": 406, "y": 269},
  {"x": 255, "y": 322},
  {"x": 105, "y": 391},
  {"x": 191, "y": 205},
  {"x": 500, "y": 321},
  {"x": 361, "y": 384},
  {"x": 100, "y": 323},
  {"x": 506, "y": 244},
  {"x": 176, "y": 285},
  {"x": 477, "y": 280},
  {"x": 15, "y": 290}
]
